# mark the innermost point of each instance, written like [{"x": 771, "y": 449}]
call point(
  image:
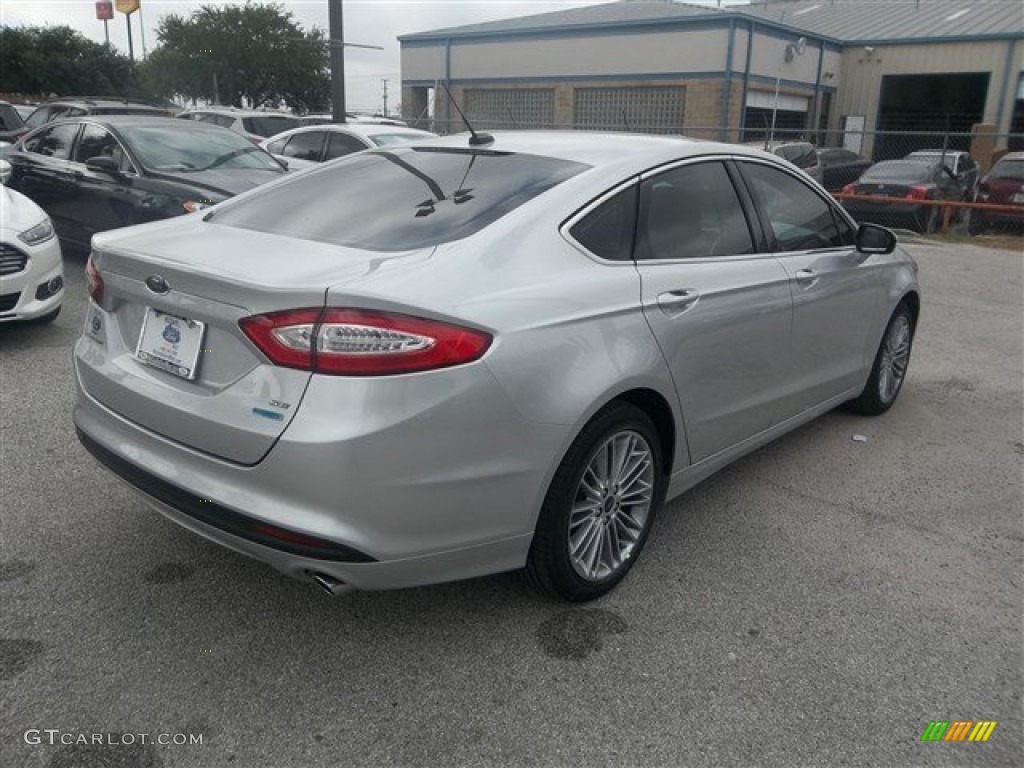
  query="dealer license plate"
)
[{"x": 170, "y": 343}]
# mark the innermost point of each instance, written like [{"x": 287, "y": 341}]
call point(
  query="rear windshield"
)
[
  {"x": 269, "y": 125},
  {"x": 10, "y": 120},
  {"x": 399, "y": 199},
  {"x": 912, "y": 173},
  {"x": 387, "y": 139},
  {"x": 130, "y": 111},
  {"x": 1008, "y": 169}
]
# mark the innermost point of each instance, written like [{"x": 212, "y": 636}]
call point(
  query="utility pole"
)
[
  {"x": 385, "y": 97},
  {"x": 336, "y": 41}
]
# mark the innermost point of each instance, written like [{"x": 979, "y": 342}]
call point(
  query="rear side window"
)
[
  {"x": 10, "y": 120},
  {"x": 54, "y": 142},
  {"x": 691, "y": 212},
  {"x": 400, "y": 199},
  {"x": 607, "y": 231}
]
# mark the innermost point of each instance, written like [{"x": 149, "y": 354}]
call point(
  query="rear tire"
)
[
  {"x": 890, "y": 367},
  {"x": 599, "y": 507}
]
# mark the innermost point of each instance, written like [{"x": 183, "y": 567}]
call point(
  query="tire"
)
[
  {"x": 932, "y": 222},
  {"x": 976, "y": 224},
  {"x": 889, "y": 370},
  {"x": 601, "y": 518}
]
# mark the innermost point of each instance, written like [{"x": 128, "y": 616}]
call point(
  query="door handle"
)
[
  {"x": 806, "y": 277},
  {"x": 674, "y": 302}
]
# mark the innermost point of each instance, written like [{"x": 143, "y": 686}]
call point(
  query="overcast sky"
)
[{"x": 370, "y": 22}]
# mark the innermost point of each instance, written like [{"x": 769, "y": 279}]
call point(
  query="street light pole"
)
[{"x": 336, "y": 42}]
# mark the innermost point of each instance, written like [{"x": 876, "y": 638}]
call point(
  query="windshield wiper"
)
[{"x": 229, "y": 156}]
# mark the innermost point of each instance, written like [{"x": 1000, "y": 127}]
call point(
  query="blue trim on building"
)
[
  {"x": 1007, "y": 66},
  {"x": 815, "y": 117},
  {"x": 715, "y": 20},
  {"x": 623, "y": 77},
  {"x": 727, "y": 86},
  {"x": 746, "y": 77}
]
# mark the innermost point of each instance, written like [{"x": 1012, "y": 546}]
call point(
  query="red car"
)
[{"x": 1003, "y": 185}]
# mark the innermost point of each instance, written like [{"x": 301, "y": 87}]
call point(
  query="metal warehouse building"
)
[{"x": 669, "y": 67}]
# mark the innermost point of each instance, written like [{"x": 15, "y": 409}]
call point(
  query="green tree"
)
[
  {"x": 244, "y": 55},
  {"x": 44, "y": 60}
]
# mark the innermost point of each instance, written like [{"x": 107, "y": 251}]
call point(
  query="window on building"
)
[
  {"x": 510, "y": 108},
  {"x": 656, "y": 109}
]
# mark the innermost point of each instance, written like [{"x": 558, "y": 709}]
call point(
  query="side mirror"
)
[
  {"x": 282, "y": 161},
  {"x": 103, "y": 164},
  {"x": 872, "y": 238},
  {"x": 5, "y": 171}
]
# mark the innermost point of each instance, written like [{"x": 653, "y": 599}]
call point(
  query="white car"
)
[
  {"x": 31, "y": 266},
  {"x": 314, "y": 144},
  {"x": 350, "y": 117},
  {"x": 254, "y": 124}
]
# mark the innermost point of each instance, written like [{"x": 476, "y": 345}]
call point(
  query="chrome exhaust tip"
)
[{"x": 331, "y": 585}]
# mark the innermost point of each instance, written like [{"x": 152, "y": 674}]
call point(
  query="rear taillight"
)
[
  {"x": 917, "y": 193},
  {"x": 849, "y": 189},
  {"x": 361, "y": 342},
  {"x": 93, "y": 281}
]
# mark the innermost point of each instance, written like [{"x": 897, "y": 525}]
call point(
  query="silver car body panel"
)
[{"x": 441, "y": 475}]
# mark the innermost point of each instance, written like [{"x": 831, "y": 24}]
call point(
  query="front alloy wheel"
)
[{"x": 890, "y": 367}]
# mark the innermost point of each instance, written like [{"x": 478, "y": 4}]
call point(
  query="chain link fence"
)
[{"x": 843, "y": 155}]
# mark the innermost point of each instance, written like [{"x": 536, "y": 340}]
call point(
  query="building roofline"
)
[
  {"x": 716, "y": 19},
  {"x": 713, "y": 18}
]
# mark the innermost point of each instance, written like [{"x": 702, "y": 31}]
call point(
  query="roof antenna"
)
[{"x": 475, "y": 139}]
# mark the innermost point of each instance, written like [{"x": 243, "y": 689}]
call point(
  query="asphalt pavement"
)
[{"x": 817, "y": 603}]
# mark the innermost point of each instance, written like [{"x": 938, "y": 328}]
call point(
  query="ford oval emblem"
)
[{"x": 157, "y": 284}]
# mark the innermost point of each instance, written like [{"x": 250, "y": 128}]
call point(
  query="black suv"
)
[{"x": 76, "y": 106}]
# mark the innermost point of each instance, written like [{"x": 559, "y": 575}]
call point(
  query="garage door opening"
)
[
  {"x": 916, "y": 105},
  {"x": 790, "y": 116}
]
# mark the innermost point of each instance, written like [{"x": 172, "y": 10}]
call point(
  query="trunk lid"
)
[{"x": 238, "y": 403}]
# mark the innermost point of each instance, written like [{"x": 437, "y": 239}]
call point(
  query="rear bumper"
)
[{"x": 417, "y": 502}]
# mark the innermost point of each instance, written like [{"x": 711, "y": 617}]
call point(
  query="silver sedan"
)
[{"x": 480, "y": 353}]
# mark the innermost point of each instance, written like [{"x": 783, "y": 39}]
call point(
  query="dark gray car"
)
[{"x": 95, "y": 173}]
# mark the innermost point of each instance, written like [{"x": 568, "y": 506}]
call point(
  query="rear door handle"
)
[
  {"x": 806, "y": 277},
  {"x": 674, "y": 302}
]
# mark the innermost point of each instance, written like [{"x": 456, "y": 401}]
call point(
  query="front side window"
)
[
  {"x": 387, "y": 139},
  {"x": 54, "y": 142},
  {"x": 608, "y": 230},
  {"x": 305, "y": 146},
  {"x": 799, "y": 218},
  {"x": 99, "y": 142},
  {"x": 691, "y": 212},
  {"x": 398, "y": 199}
]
